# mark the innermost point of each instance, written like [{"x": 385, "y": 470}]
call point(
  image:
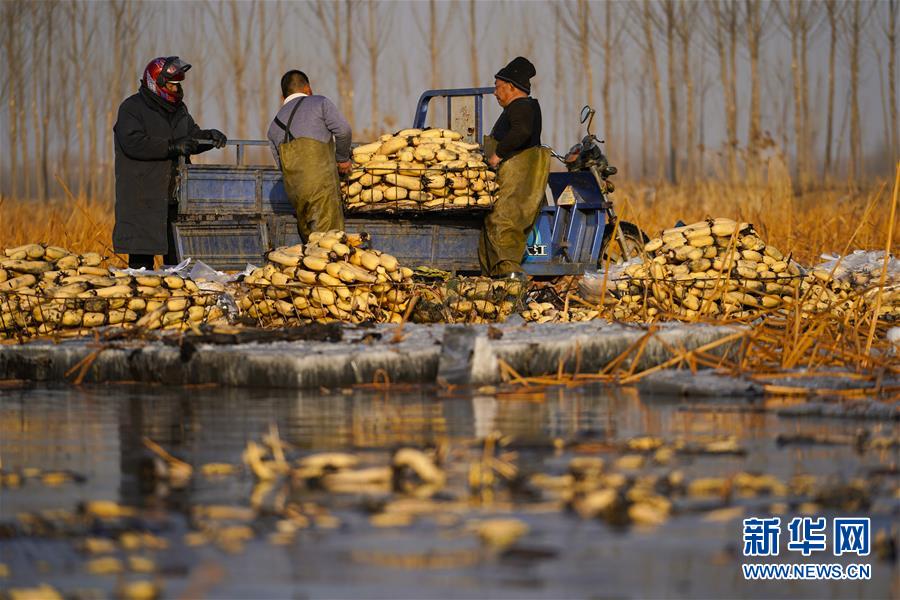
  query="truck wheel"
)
[{"x": 635, "y": 239}]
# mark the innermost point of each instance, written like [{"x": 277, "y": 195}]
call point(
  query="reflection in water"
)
[{"x": 98, "y": 432}]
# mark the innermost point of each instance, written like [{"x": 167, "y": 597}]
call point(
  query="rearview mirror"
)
[{"x": 586, "y": 112}]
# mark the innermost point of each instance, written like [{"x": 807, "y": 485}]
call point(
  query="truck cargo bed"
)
[{"x": 231, "y": 215}]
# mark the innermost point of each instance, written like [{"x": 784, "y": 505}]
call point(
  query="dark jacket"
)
[
  {"x": 518, "y": 127},
  {"x": 145, "y": 171}
]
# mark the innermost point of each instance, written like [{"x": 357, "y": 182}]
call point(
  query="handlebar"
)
[{"x": 561, "y": 158}]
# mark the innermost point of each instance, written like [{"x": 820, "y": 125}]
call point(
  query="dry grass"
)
[
  {"x": 808, "y": 225},
  {"x": 77, "y": 224}
]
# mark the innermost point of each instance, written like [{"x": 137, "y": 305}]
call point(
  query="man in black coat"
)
[
  {"x": 524, "y": 167},
  {"x": 152, "y": 131}
]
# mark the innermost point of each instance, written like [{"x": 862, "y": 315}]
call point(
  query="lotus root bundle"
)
[
  {"x": 468, "y": 300},
  {"x": 419, "y": 169},
  {"x": 331, "y": 278},
  {"x": 720, "y": 268},
  {"x": 713, "y": 268},
  {"x": 48, "y": 290}
]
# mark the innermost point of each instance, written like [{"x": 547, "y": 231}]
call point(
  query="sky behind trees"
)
[{"x": 683, "y": 90}]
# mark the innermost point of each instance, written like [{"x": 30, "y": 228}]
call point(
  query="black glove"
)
[
  {"x": 216, "y": 136},
  {"x": 184, "y": 146}
]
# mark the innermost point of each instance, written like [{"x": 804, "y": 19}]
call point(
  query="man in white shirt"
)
[{"x": 310, "y": 141}]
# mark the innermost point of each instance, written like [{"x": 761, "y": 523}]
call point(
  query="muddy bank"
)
[{"x": 413, "y": 354}]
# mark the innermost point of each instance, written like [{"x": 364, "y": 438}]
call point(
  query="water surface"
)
[{"x": 97, "y": 432}]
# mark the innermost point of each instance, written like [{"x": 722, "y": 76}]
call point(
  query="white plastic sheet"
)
[
  {"x": 590, "y": 287},
  {"x": 862, "y": 268}
]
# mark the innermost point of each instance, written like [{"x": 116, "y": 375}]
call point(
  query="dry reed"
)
[{"x": 802, "y": 225}]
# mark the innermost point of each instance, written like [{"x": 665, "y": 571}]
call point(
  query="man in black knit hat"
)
[{"x": 514, "y": 146}]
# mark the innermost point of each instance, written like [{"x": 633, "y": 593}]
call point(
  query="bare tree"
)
[
  {"x": 645, "y": 120},
  {"x": 337, "y": 27},
  {"x": 12, "y": 74},
  {"x": 235, "y": 25},
  {"x": 724, "y": 33},
  {"x": 48, "y": 100},
  {"x": 473, "y": 43},
  {"x": 89, "y": 22},
  {"x": 883, "y": 95},
  {"x": 853, "y": 27},
  {"x": 889, "y": 28},
  {"x": 435, "y": 36},
  {"x": 197, "y": 50},
  {"x": 123, "y": 42},
  {"x": 798, "y": 19},
  {"x": 39, "y": 36},
  {"x": 83, "y": 28},
  {"x": 557, "y": 71},
  {"x": 668, "y": 9},
  {"x": 647, "y": 21},
  {"x": 264, "y": 57},
  {"x": 684, "y": 26},
  {"x": 624, "y": 157},
  {"x": 476, "y": 36},
  {"x": 833, "y": 12},
  {"x": 376, "y": 40},
  {"x": 577, "y": 24},
  {"x": 755, "y": 22},
  {"x": 525, "y": 42},
  {"x": 609, "y": 41},
  {"x": 704, "y": 84}
]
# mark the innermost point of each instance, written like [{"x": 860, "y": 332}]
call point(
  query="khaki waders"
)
[
  {"x": 311, "y": 181},
  {"x": 522, "y": 183}
]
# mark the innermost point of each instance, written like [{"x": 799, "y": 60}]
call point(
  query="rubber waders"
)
[{"x": 522, "y": 180}]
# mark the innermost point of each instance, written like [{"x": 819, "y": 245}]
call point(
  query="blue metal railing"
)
[{"x": 477, "y": 93}]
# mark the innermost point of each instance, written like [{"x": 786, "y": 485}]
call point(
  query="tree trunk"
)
[
  {"x": 885, "y": 118},
  {"x": 584, "y": 48},
  {"x": 198, "y": 84},
  {"x": 892, "y": 79},
  {"x": 725, "y": 26},
  {"x": 855, "y": 168},
  {"x": 433, "y": 45},
  {"x": 612, "y": 142},
  {"x": 754, "y": 32},
  {"x": 336, "y": 27},
  {"x": 625, "y": 159},
  {"x": 805, "y": 129},
  {"x": 235, "y": 26},
  {"x": 12, "y": 59},
  {"x": 831, "y": 8},
  {"x": 37, "y": 32},
  {"x": 657, "y": 94},
  {"x": 48, "y": 94},
  {"x": 88, "y": 27},
  {"x": 75, "y": 55},
  {"x": 264, "y": 50},
  {"x": 239, "y": 67},
  {"x": 669, "y": 11},
  {"x": 347, "y": 63},
  {"x": 645, "y": 129},
  {"x": 700, "y": 170},
  {"x": 799, "y": 147},
  {"x": 557, "y": 75},
  {"x": 373, "y": 49},
  {"x": 733, "y": 108},
  {"x": 123, "y": 42},
  {"x": 690, "y": 117},
  {"x": 473, "y": 44}
]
